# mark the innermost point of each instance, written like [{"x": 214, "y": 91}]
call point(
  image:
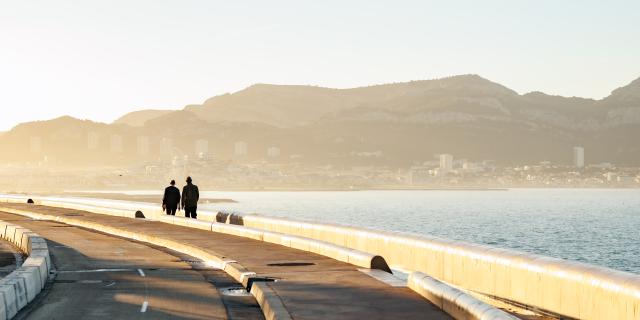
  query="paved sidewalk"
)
[
  {"x": 101, "y": 276},
  {"x": 310, "y": 286}
]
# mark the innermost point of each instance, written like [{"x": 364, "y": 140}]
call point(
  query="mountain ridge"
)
[{"x": 408, "y": 122}]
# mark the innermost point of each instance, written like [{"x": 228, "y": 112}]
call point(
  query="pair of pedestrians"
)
[{"x": 188, "y": 201}]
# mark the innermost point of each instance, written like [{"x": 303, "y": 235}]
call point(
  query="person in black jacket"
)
[
  {"x": 190, "y": 196},
  {"x": 171, "y": 199}
]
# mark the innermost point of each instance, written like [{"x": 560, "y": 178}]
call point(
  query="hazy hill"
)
[
  {"x": 138, "y": 118},
  {"x": 393, "y": 124},
  {"x": 288, "y": 106}
]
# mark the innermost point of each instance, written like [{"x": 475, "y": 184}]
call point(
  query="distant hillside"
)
[
  {"x": 138, "y": 118},
  {"x": 288, "y": 106},
  {"x": 393, "y": 124}
]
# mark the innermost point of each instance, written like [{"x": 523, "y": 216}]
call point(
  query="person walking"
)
[
  {"x": 171, "y": 199},
  {"x": 190, "y": 196}
]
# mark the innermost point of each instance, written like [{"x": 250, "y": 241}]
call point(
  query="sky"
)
[{"x": 101, "y": 59}]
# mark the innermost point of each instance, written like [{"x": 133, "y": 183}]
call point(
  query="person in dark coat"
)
[
  {"x": 190, "y": 196},
  {"x": 171, "y": 199}
]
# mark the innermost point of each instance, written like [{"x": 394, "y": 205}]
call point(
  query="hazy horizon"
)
[{"x": 99, "y": 61}]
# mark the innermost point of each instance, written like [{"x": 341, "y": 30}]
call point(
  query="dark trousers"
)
[
  {"x": 171, "y": 210},
  {"x": 190, "y": 212}
]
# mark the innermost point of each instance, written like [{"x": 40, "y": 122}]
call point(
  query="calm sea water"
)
[{"x": 598, "y": 226}]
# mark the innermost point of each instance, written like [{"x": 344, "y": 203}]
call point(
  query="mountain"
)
[
  {"x": 392, "y": 124},
  {"x": 138, "y": 118},
  {"x": 289, "y": 106}
]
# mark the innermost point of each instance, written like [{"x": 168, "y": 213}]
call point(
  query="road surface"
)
[{"x": 100, "y": 276}]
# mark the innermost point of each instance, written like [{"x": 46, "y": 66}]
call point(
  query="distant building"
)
[
  {"x": 611, "y": 176},
  {"x": 446, "y": 162},
  {"x": 166, "y": 147},
  {"x": 578, "y": 157},
  {"x": 419, "y": 175},
  {"x": 205, "y": 156},
  {"x": 152, "y": 170},
  {"x": 92, "y": 141},
  {"x": 603, "y": 165},
  {"x": 273, "y": 152},
  {"x": 142, "y": 145},
  {"x": 241, "y": 148},
  {"x": 627, "y": 180},
  {"x": 116, "y": 143},
  {"x": 202, "y": 148},
  {"x": 35, "y": 144}
]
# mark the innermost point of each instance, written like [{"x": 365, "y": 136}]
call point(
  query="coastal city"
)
[{"x": 275, "y": 171}]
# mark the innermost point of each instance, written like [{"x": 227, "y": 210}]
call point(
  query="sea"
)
[{"x": 596, "y": 226}]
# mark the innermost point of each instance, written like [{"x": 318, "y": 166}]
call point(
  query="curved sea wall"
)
[
  {"x": 458, "y": 304},
  {"x": 562, "y": 287}
]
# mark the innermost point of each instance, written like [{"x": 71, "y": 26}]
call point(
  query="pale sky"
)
[{"x": 100, "y": 59}]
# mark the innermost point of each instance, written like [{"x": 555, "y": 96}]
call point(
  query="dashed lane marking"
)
[
  {"x": 144, "y": 306},
  {"x": 94, "y": 270}
]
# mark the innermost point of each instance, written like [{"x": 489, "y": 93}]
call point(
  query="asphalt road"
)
[{"x": 100, "y": 276}]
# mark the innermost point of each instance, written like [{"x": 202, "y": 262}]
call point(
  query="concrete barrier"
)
[
  {"x": 355, "y": 257},
  {"x": 13, "y": 297},
  {"x": 557, "y": 286},
  {"x": 23, "y": 284},
  {"x": 458, "y": 304},
  {"x": 270, "y": 303}
]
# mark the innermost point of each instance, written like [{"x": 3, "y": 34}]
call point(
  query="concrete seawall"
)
[
  {"x": 23, "y": 284},
  {"x": 565, "y": 288}
]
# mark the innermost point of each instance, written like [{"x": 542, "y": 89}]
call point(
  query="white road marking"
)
[
  {"x": 141, "y": 273},
  {"x": 144, "y": 306},
  {"x": 94, "y": 270},
  {"x": 90, "y": 281}
]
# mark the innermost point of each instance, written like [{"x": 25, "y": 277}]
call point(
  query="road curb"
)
[
  {"x": 270, "y": 302},
  {"x": 454, "y": 302},
  {"x": 23, "y": 284}
]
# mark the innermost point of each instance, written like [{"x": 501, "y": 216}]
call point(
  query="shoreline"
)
[
  {"x": 151, "y": 192},
  {"x": 114, "y": 195}
]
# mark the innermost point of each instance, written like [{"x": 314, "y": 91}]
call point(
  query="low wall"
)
[
  {"x": 566, "y": 288},
  {"x": 128, "y": 209},
  {"x": 456, "y": 303},
  {"x": 355, "y": 257},
  {"x": 23, "y": 284}
]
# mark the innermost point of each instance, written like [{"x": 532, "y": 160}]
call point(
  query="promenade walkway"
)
[
  {"x": 310, "y": 286},
  {"x": 102, "y": 276}
]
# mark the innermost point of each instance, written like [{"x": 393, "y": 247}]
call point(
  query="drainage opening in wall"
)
[
  {"x": 235, "y": 291},
  {"x": 291, "y": 264},
  {"x": 260, "y": 279}
]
